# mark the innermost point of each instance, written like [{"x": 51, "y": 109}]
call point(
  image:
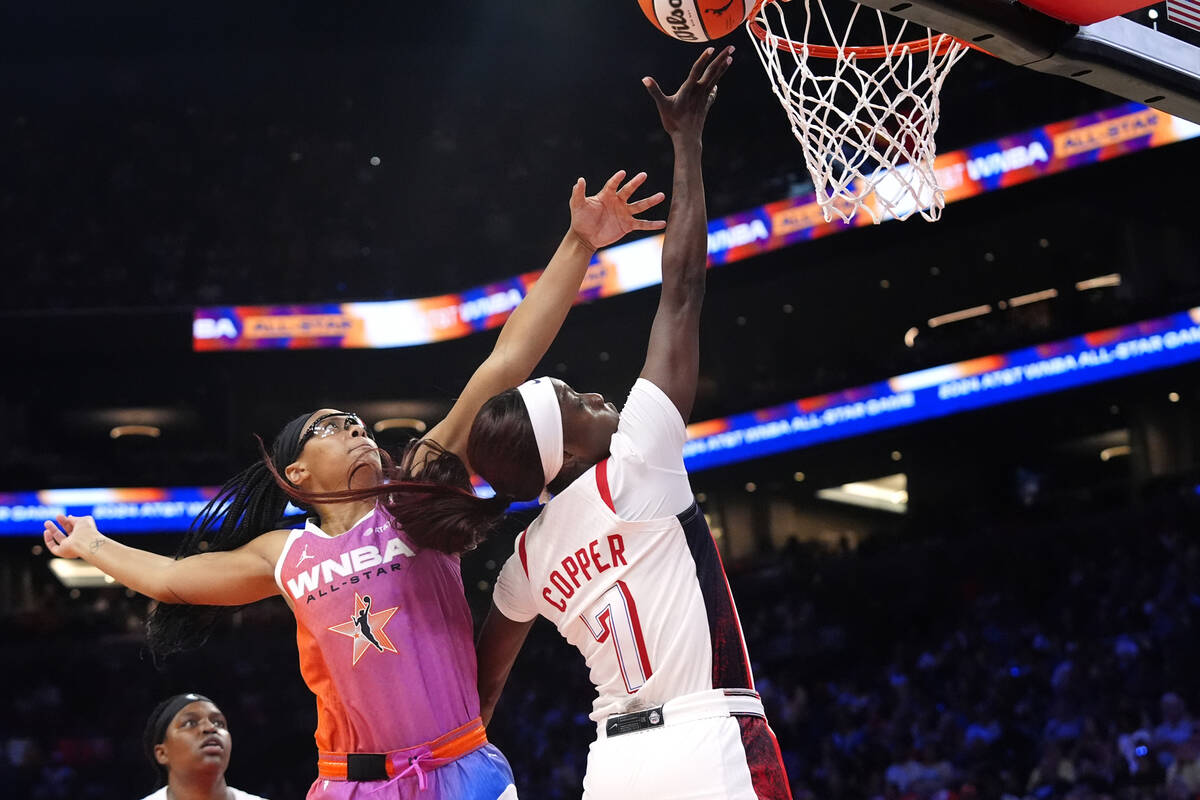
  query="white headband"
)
[{"x": 541, "y": 401}]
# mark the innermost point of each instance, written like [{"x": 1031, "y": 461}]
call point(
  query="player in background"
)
[
  {"x": 395, "y": 683},
  {"x": 187, "y": 740},
  {"x": 621, "y": 559}
]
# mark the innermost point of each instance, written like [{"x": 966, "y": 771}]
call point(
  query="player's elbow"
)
[{"x": 686, "y": 293}]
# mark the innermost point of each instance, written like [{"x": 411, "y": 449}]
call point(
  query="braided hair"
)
[
  {"x": 248, "y": 505},
  {"x": 428, "y": 493}
]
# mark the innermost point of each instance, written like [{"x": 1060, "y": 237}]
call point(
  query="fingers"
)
[
  {"x": 649, "y": 224},
  {"x": 66, "y": 523},
  {"x": 698, "y": 67},
  {"x": 647, "y": 203},
  {"x": 578, "y": 192},
  {"x": 656, "y": 93},
  {"x": 615, "y": 181},
  {"x": 626, "y": 191},
  {"x": 716, "y": 68},
  {"x": 52, "y": 535}
]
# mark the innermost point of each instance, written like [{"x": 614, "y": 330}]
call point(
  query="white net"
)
[{"x": 864, "y": 115}]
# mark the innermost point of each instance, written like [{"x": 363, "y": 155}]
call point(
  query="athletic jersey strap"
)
[{"x": 602, "y": 485}]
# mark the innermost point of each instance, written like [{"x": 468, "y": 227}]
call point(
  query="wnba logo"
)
[{"x": 219, "y": 328}]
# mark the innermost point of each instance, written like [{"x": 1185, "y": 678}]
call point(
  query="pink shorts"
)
[{"x": 482, "y": 774}]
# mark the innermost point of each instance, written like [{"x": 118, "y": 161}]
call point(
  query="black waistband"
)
[{"x": 366, "y": 767}]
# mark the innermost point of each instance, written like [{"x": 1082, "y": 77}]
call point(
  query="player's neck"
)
[
  {"x": 337, "y": 518},
  {"x": 568, "y": 475}
]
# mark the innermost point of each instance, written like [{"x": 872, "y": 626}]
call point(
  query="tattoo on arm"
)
[{"x": 95, "y": 545}]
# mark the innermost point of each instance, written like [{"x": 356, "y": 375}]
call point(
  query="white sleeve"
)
[
  {"x": 513, "y": 595},
  {"x": 647, "y": 478}
]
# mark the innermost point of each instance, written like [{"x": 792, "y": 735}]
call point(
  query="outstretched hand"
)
[
  {"x": 608, "y": 215},
  {"x": 75, "y": 536},
  {"x": 685, "y": 111}
]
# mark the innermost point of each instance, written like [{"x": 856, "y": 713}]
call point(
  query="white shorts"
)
[{"x": 709, "y": 745}]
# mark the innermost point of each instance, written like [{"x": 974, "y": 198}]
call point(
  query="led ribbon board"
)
[
  {"x": 141, "y": 510},
  {"x": 925, "y": 394},
  {"x": 939, "y": 391},
  {"x": 115, "y": 510},
  {"x": 986, "y": 167}
]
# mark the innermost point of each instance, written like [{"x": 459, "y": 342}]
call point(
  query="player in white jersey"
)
[
  {"x": 188, "y": 741},
  {"x": 621, "y": 559}
]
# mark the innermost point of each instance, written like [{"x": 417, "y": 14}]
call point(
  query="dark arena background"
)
[{"x": 967, "y": 563}]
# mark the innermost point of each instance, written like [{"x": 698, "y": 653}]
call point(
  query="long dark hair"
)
[
  {"x": 248, "y": 505},
  {"x": 428, "y": 492},
  {"x": 502, "y": 448}
]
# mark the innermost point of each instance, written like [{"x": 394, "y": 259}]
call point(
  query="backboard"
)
[{"x": 1151, "y": 60}]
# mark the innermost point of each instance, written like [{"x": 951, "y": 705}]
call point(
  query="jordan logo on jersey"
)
[
  {"x": 304, "y": 555},
  {"x": 366, "y": 628}
]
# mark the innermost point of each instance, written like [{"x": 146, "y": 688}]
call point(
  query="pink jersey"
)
[{"x": 384, "y": 633}]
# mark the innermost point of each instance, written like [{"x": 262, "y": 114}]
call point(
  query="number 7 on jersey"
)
[{"x": 615, "y": 618}]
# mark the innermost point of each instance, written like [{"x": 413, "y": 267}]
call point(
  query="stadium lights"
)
[
  {"x": 75, "y": 574},
  {"x": 1032, "y": 297},
  {"x": 1115, "y": 451},
  {"x": 958, "y": 316},
  {"x": 407, "y": 423},
  {"x": 889, "y": 493},
  {"x": 1113, "y": 279},
  {"x": 152, "y": 431}
]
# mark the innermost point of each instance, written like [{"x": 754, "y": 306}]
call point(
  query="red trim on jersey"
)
[
  {"x": 602, "y": 485},
  {"x": 767, "y": 772},
  {"x": 643, "y": 655},
  {"x": 521, "y": 552},
  {"x": 736, "y": 618},
  {"x": 779, "y": 755}
]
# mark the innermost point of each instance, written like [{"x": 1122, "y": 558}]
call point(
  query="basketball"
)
[{"x": 697, "y": 20}]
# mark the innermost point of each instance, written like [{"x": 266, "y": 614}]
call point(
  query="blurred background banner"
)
[{"x": 985, "y": 167}]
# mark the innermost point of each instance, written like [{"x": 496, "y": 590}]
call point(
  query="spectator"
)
[{"x": 1175, "y": 729}]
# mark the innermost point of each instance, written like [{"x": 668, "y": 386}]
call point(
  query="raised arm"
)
[
  {"x": 227, "y": 578},
  {"x": 673, "y": 354},
  {"x": 499, "y": 643},
  {"x": 596, "y": 222}
]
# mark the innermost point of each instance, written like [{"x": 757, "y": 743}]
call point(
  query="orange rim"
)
[{"x": 940, "y": 46}]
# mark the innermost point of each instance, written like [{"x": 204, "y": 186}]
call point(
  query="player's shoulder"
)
[
  {"x": 646, "y": 391},
  {"x": 270, "y": 545}
]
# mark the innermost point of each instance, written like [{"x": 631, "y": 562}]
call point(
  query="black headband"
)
[
  {"x": 166, "y": 711},
  {"x": 286, "y": 447}
]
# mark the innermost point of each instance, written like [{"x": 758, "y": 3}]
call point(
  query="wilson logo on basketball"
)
[
  {"x": 682, "y": 27},
  {"x": 697, "y": 20}
]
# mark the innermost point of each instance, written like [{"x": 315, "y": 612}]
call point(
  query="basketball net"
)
[{"x": 864, "y": 116}]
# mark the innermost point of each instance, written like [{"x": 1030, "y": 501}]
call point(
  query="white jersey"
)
[
  {"x": 623, "y": 563},
  {"x": 234, "y": 794}
]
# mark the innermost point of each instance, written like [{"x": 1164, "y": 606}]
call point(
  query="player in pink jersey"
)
[
  {"x": 621, "y": 559},
  {"x": 393, "y": 675}
]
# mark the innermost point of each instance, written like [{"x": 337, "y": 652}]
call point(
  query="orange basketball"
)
[{"x": 697, "y": 20}]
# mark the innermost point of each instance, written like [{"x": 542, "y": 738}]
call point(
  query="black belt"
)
[
  {"x": 637, "y": 721},
  {"x": 366, "y": 767}
]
